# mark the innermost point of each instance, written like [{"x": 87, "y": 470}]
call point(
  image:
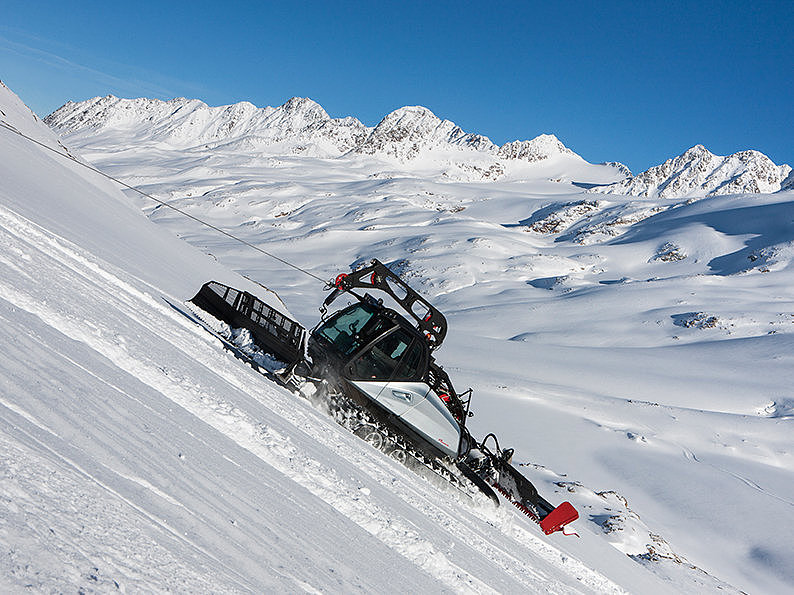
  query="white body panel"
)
[
  {"x": 431, "y": 418},
  {"x": 397, "y": 397},
  {"x": 420, "y": 408}
]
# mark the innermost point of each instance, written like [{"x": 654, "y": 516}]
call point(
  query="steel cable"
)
[{"x": 163, "y": 203}]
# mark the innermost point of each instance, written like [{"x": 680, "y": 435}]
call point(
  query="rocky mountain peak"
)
[
  {"x": 697, "y": 172},
  {"x": 410, "y": 130},
  {"x": 304, "y": 105},
  {"x": 697, "y": 151},
  {"x": 539, "y": 148}
]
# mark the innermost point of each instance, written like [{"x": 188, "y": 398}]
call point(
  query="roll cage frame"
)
[
  {"x": 431, "y": 326},
  {"x": 377, "y": 276}
]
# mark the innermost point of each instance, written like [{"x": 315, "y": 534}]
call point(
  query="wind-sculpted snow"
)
[
  {"x": 698, "y": 172},
  {"x": 588, "y": 339}
]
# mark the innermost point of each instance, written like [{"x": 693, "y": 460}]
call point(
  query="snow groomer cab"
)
[{"x": 384, "y": 363}]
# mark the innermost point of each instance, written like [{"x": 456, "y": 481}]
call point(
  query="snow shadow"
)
[
  {"x": 547, "y": 282},
  {"x": 536, "y": 216},
  {"x": 614, "y": 281},
  {"x": 776, "y": 563},
  {"x": 770, "y": 225}
]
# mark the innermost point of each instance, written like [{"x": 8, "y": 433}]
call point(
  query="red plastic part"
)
[
  {"x": 340, "y": 279},
  {"x": 558, "y": 518}
]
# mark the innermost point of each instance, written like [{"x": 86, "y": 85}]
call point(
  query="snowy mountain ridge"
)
[
  {"x": 189, "y": 122},
  {"x": 698, "y": 172},
  {"x": 299, "y": 126},
  {"x": 408, "y": 136}
]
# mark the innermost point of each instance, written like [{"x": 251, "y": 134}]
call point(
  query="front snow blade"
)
[{"x": 559, "y": 517}]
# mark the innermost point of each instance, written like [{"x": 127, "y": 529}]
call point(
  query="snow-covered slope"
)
[
  {"x": 638, "y": 356},
  {"x": 137, "y": 455},
  {"x": 698, "y": 172},
  {"x": 642, "y": 346}
]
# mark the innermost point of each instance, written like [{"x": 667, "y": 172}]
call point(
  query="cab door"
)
[{"x": 390, "y": 370}]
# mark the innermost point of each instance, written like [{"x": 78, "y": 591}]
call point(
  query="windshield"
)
[{"x": 350, "y": 329}]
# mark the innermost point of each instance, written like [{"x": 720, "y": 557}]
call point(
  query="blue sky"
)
[{"x": 616, "y": 81}]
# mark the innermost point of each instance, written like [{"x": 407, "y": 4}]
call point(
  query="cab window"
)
[
  {"x": 343, "y": 330},
  {"x": 350, "y": 330},
  {"x": 397, "y": 356}
]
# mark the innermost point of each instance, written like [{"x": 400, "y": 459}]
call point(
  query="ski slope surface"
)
[{"x": 138, "y": 455}]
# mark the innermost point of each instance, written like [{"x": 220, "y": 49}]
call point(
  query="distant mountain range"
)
[
  {"x": 698, "y": 172},
  {"x": 300, "y": 125},
  {"x": 410, "y": 135}
]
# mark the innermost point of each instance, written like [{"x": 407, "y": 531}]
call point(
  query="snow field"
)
[
  {"x": 577, "y": 312},
  {"x": 636, "y": 353},
  {"x": 187, "y": 377}
]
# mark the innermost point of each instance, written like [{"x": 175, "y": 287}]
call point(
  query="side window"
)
[
  {"x": 409, "y": 368},
  {"x": 394, "y": 353}
]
